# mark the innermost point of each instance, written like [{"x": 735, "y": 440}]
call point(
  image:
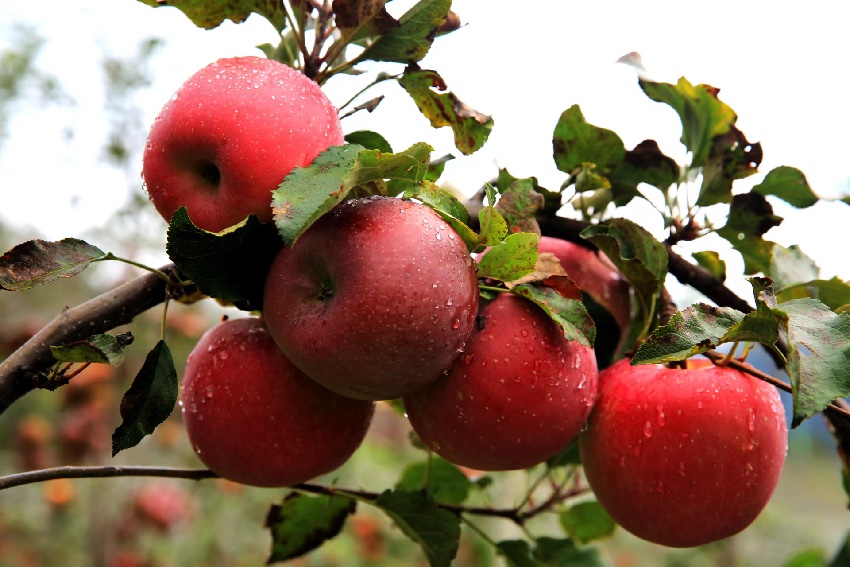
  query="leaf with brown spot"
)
[
  {"x": 357, "y": 19},
  {"x": 209, "y": 14},
  {"x": 519, "y": 204},
  {"x": 731, "y": 157},
  {"x": 39, "y": 262},
  {"x": 471, "y": 128},
  {"x": 411, "y": 40}
]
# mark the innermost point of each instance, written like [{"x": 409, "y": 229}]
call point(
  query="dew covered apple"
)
[
  {"x": 375, "y": 299},
  {"x": 254, "y": 418},
  {"x": 682, "y": 457},
  {"x": 518, "y": 394},
  {"x": 230, "y": 135}
]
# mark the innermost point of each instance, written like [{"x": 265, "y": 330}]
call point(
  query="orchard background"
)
[{"x": 523, "y": 67}]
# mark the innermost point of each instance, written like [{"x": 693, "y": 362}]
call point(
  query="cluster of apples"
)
[{"x": 378, "y": 300}]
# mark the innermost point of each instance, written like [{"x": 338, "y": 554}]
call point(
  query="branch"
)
[{"x": 25, "y": 368}]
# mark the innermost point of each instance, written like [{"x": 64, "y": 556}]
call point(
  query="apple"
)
[
  {"x": 374, "y": 300},
  {"x": 253, "y": 417},
  {"x": 683, "y": 457},
  {"x": 518, "y": 394},
  {"x": 230, "y": 135},
  {"x": 597, "y": 276}
]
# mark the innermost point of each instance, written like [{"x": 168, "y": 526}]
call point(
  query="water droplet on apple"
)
[
  {"x": 661, "y": 417},
  {"x": 448, "y": 303},
  {"x": 751, "y": 419},
  {"x": 583, "y": 382},
  {"x": 647, "y": 429},
  {"x": 456, "y": 324}
]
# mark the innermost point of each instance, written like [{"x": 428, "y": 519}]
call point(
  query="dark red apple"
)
[
  {"x": 230, "y": 135},
  {"x": 518, "y": 394},
  {"x": 375, "y": 299},
  {"x": 683, "y": 457},
  {"x": 254, "y": 418}
]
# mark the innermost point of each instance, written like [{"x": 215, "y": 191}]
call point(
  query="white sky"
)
[{"x": 780, "y": 65}]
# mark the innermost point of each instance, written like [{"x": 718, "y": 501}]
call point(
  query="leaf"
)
[
  {"x": 445, "y": 482},
  {"x": 564, "y": 553},
  {"x": 437, "y": 166},
  {"x": 230, "y": 265},
  {"x": 471, "y": 128},
  {"x": 842, "y": 556},
  {"x": 576, "y": 142},
  {"x": 645, "y": 164},
  {"x": 209, "y": 14},
  {"x": 702, "y": 114},
  {"x": 711, "y": 261},
  {"x": 790, "y": 266},
  {"x": 303, "y": 523},
  {"x": 568, "y": 456},
  {"x": 104, "y": 348},
  {"x": 493, "y": 227},
  {"x": 369, "y": 140},
  {"x": 309, "y": 192},
  {"x": 357, "y": 19},
  {"x": 750, "y": 216},
  {"x": 731, "y": 157},
  {"x": 39, "y": 262},
  {"x": 435, "y": 529},
  {"x": 819, "y": 356},
  {"x": 569, "y": 313},
  {"x": 834, "y": 293},
  {"x": 636, "y": 253},
  {"x": 517, "y": 553},
  {"x": 510, "y": 259},
  {"x": 411, "y": 40},
  {"x": 812, "y": 557},
  {"x": 448, "y": 207},
  {"x": 790, "y": 185},
  {"x": 587, "y": 521},
  {"x": 149, "y": 400},
  {"x": 519, "y": 204}
]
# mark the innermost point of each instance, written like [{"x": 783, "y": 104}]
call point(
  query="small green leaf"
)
[
  {"x": 519, "y": 204},
  {"x": 812, "y": 557},
  {"x": 750, "y": 216},
  {"x": 471, "y": 128},
  {"x": 834, "y": 293},
  {"x": 570, "y": 314},
  {"x": 790, "y": 266},
  {"x": 149, "y": 400},
  {"x": 357, "y": 19},
  {"x": 554, "y": 552},
  {"x": 435, "y": 529},
  {"x": 229, "y": 265},
  {"x": 645, "y": 164},
  {"x": 39, "y": 262},
  {"x": 576, "y": 142},
  {"x": 492, "y": 226},
  {"x": 445, "y": 482},
  {"x": 369, "y": 140},
  {"x": 711, "y": 261},
  {"x": 636, "y": 253},
  {"x": 517, "y": 553},
  {"x": 842, "y": 556},
  {"x": 702, "y": 114},
  {"x": 587, "y": 521},
  {"x": 411, "y": 40},
  {"x": 302, "y": 523},
  {"x": 790, "y": 185},
  {"x": 105, "y": 349},
  {"x": 511, "y": 259},
  {"x": 437, "y": 166},
  {"x": 439, "y": 199},
  {"x": 819, "y": 356},
  {"x": 209, "y": 14}
]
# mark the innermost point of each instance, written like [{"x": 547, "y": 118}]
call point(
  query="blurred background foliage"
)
[{"x": 135, "y": 522}]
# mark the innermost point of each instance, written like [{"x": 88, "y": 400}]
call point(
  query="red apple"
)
[
  {"x": 594, "y": 273},
  {"x": 518, "y": 394},
  {"x": 230, "y": 135},
  {"x": 254, "y": 418},
  {"x": 375, "y": 299},
  {"x": 683, "y": 457}
]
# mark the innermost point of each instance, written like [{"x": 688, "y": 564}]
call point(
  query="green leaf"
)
[
  {"x": 437, "y": 166},
  {"x": 576, "y": 142},
  {"x": 357, "y": 19},
  {"x": 636, "y": 253},
  {"x": 519, "y": 204},
  {"x": 517, "y": 553},
  {"x": 790, "y": 266},
  {"x": 812, "y": 557},
  {"x": 587, "y": 521},
  {"x": 411, "y": 40},
  {"x": 445, "y": 482},
  {"x": 569, "y": 313},
  {"x": 790, "y": 185},
  {"x": 448, "y": 207},
  {"x": 493, "y": 227},
  {"x": 750, "y": 216},
  {"x": 149, "y": 400},
  {"x": 568, "y": 456},
  {"x": 309, "y": 192},
  {"x": 303, "y": 523},
  {"x": 731, "y": 157},
  {"x": 645, "y": 164},
  {"x": 564, "y": 553},
  {"x": 842, "y": 556},
  {"x": 369, "y": 140},
  {"x": 105, "y": 349},
  {"x": 511, "y": 259},
  {"x": 711, "y": 261},
  {"x": 39, "y": 262},
  {"x": 229, "y": 265},
  {"x": 702, "y": 114},
  {"x": 471, "y": 128},
  {"x": 435, "y": 529},
  {"x": 834, "y": 293},
  {"x": 209, "y": 14},
  {"x": 819, "y": 356}
]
